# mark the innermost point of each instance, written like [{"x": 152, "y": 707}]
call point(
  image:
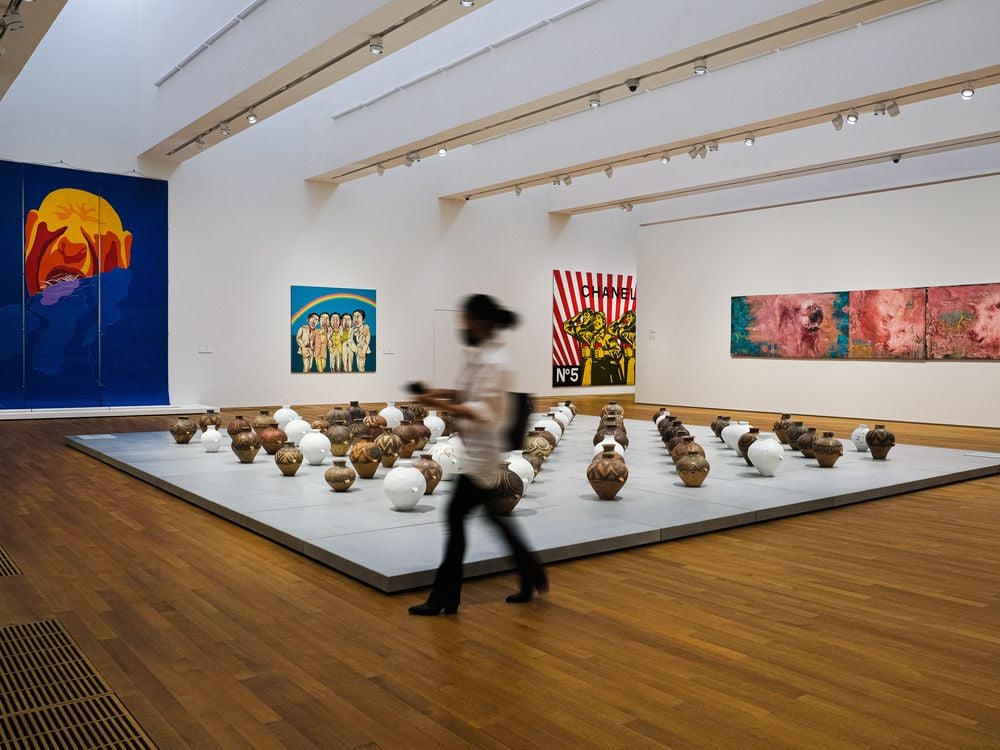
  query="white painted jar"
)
[
  {"x": 296, "y": 429},
  {"x": 858, "y": 438},
  {"x": 435, "y": 424},
  {"x": 599, "y": 448},
  {"x": 766, "y": 454},
  {"x": 392, "y": 415},
  {"x": 732, "y": 432},
  {"x": 315, "y": 447},
  {"x": 284, "y": 415},
  {"x": 211, "y": 439},
  {"x": 445, "y": 454},
  {"x": 404, "y": 486},
  {"x": 520, "y": 466}
]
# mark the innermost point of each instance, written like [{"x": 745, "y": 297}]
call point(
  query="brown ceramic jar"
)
[
  {"x": 685, "y": 447},
  {"x": 508, "y": 490},
  {"x": 210, "y": 417},
  {"x": 340, "y": 476},
  {"x": 340, "y": 439},
  {"x": 827, "y": 450},
  {"x": 183, "y": 430},
  {"x": 246, "y": 445},
  {"x": 692, "y": 469},
  {"x": 607, "y": 473},
  {"x": 880, "y": 441},
  {"x": 237, "y": 425},
  {"x": 780, "y": 426},
  {"x": 805, "y": 442},
  {"x": 365, "y": 457},
  {"x": 262, "y": 421},
  {"x": 271, "y": 439},
  {"x": 390, "y": 445},
  {"x": 288, "y": 459},
  {"x": 746, "y": 440},
  {"x": 431, "y": 470}
]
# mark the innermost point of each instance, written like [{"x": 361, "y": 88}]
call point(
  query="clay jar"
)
[
  {"x": 340, "y": 439},
  {"x": 536, "y": 444},
  {"x": 449, "y": 423},
  {"x": 766, "y": 454},
  {"x": 431, "y": 469},
  {"x": 340, "y": 476},
  {"x": 827, "y": 450},
  {"x": 746, "y": 440},
  {"x": 805, "y": 442},
  {"x": 359, "y": 431},
  {"x": 409, "y": 438},
  {"x": 731, "y": 433},
  {"x": 610, "y": 429},
  {"x": 668, "y": 428},
  {"x": 534, "y": 459},
  {"x": 613, "y": 407},
  {"x": 679, "y": 434},
  {"x": 685, "y": 447},
  {"x": 719, "y": 424},
  {"x": 320, "y": 424},
  {"x": 288, "y": 459},
  {"x": 419, "y": 412},
  {"x": 792, "y": 434},
  {"x": 661, "y": 413},
  {"x": 365, "y": 456},
  {"x": 692, "y": 469},
  {"x": 424, "y": 434},
  {"x": 376, "y": 423},
  {"x": 272, "y": 438},
  {"x": 237, "y": 425},
  {"x": 781, "y": 425},
  {"x": 246, "y": 445},
  {"x": 507, "y": 492},
  {"x": 880, "y": 441},
  {"x": 547, "y": 436},
  {"x": 356, "y": 411},
  {"x": 858, "y": 438},
  {"x": 209, "y": 417},
  {"x": 211, "y": 439},
  {"x": 262, "y": 421},
  {"x": 607, "y": 473},
  {"x": 572, "y": 407},
  {"x": 408, "y": 414},
  {"x": 339, "y": 414},
  {"x": 390, "y": 444},
  {"x": 183, "y": 430}
]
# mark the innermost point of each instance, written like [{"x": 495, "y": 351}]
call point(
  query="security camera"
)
[
  {"x": 632, "y": 84},
  {"x": 896, "y": 158}
]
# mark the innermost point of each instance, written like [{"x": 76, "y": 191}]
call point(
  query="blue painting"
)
[
  {"x": 83, "y": 288},
  {"x": 333, "y": 330}
]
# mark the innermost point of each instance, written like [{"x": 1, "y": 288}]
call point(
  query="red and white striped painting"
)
[{"x": 593, "y": 328}]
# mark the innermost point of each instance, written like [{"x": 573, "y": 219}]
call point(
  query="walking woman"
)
[{"x": 482, "y": 404}]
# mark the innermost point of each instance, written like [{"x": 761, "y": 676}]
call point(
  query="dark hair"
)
[
  {"x": 484, "y": 307},
  {"x": 363, "y": 316},
  {"x": 312, "y": 315}
]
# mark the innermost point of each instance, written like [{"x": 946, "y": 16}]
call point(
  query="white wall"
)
[
  {"x": 245, "y": 227},
  {"x": 927, "y": 236}
]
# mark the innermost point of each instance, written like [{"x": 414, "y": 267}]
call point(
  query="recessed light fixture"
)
[
  {"x": 713, "y": 146},
  {"x": 968, "y": 91},
  {"x": 838, "y": 121},
  {"x": 700, "y": 68},
  {"x": 664, "y": 158},
  {"x": 567, "y": 180},
  {"x": 252, "y": 117},
  {"x": 627, "y": 206},
  {"x": 879, "y": 109},
  {"x": 595, "y": 101},
  {"x": 693, "y": 151},
  {"x": 892, "y": 109},
  {"x": 379, "y": 169},
  {"x": 467, "y": 3},
  {"x": 443, "y": 151},
  {"x": 853, "y": 117},
  {"x": 375, "y": 45},
  {"x": 412, "y": 158},
  {"x": 556, "y": 181},
  {"x": 517, "y": 190},
  {"x": 12, "y": 21},
  {"x": 749, "y": 140},
  {"x": 609, "y": 171},
  {"x": 224, "y": 129}
]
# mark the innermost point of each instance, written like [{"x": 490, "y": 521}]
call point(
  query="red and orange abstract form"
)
[
  {"x": 790, "y": 325},
  {"x": 887, "y": 323},
  {"x": 963, "y": 322}
]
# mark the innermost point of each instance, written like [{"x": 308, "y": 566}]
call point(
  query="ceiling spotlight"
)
[
  {"x": 567, "y": 180},
  {"x": 224, "y": 129},
  {"x": 838, "y": 121},
  {"x": 609, "y": 171},
  {"x": 702, "y": 151},
  {"x": 713, "y": 146},
  {"x": 412, "y": 158},
  {"x": 632, "y": 84},
  {"x": 13, "y": 22},
  {"x": 467, "y": 3},
  {"x": 595, "y": 101},
  {"x": 199, "y": 143},
  {"x": 556, "y": 181},
  {"x": 443, "y": 151},
  {"x": 879, "y": 109},
  {"x": 517, "y": 190},
  {"x": 664, "y": 158},
  {"x": 749, "y": 140},
  {"x": 693, "y": 151},
  {"x": 252, "y": 117},
  {"x": 379, "y": 169},
  {"x": 700, "y": 68},
  {"x": 967, "y": 91},
  {"x": 853, "y": 117},
  {"x": 627, "y": 206},
  {"x": 892, "y": 109},
  {"x": 375, "y": 45}
]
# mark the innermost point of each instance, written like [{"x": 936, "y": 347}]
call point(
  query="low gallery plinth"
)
[{"x": 358, "y": 533}]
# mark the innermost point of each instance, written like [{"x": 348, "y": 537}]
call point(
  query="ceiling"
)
[
  {"x": 507, "y": 89},
  {"x": 19, "y": 40}
]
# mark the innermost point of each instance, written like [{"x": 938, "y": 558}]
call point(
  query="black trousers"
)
[{"x": 447, "y": 588}]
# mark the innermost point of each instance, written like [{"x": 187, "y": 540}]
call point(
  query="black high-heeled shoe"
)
[
  {"x": 527, "y": 593},
  {"x": 432, "y": 609}
]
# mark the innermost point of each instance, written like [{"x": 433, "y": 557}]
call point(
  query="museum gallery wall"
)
[{"x": 83, "y": 288}]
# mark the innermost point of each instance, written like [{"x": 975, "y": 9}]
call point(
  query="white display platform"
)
[
  {"x": 105, "y": 411},
  {"x": 360, "y": 534}
]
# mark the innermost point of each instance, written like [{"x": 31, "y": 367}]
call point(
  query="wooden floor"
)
[{"x": 873, "y": 625}]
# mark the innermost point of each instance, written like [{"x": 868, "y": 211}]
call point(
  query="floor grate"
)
[
  {"x": 51, "y": 696},
  {"x": 7, "y": 565}
]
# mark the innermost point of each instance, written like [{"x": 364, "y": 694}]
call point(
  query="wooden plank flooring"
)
[{"x": 873, "y": 625}]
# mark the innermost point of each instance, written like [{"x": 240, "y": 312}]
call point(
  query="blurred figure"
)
[{"x": 483, "y": 406}]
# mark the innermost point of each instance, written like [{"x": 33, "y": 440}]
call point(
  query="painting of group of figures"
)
[
  {"x": 942, "y": 322},
  {"x": 333, "y": 329},
  {"x": 593, "y": 329}
]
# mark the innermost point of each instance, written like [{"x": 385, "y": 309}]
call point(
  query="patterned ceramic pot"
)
[
  {"x": 183, "y": 430},
  {"x": 805, "y": 442},
  {"x": 365, "y": 457},
  {"x": 534, "y": 459},
  {"x": 423, "y": 434},
  {"x": 782, "y": 424},
  {"x": 209, "y": 417},
  {"x": 613, "y": 407},
  {"x": 319, "y": 423},
  {"x": 409, "y": 437},
  {"x": 376, "y": 423},
  {"x": 390, "y": 445},
  {"x": 538, "y": 443},
  {"x": 858, "y": 438},
  {"x": 880, "y": 441},
  {"x": 548, "y": 436},
  {"x": 449, "y": 423},
  {"x": 827, "y": 450},
  {"x": 356, "y": 411},
  {"x": 792, "y": 434},
  {"x": 719, "y": 424},
  {"x": 686, "y": 447},
  {"x": 668, "y": 428},
  {"x": 679, "y": 434},
  {"x": 339, "y": 414},
  {"x": 660, "y": 414},
  {"x": 746, "y": 440},
  {"x": 340, "y": 476},
  {"x": 607, "y": 473},
  {"x": 359, "y": 431},
  {"x": 262, "y": 421},
  {"x": 692, "y": 469},
  {"x": 272, "y": 438},
  {"x": 246, "y": 445},
  {"x": 237, "y": 425},
  {"x": 419, "y": 412},
  {"x": 432, "y": 471},
  {"x": 288, "y": 459},
  {"x": 445, "y": 454},
  {"x": 508, "y": 490},
  {"x": 340, "y": 439}
]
